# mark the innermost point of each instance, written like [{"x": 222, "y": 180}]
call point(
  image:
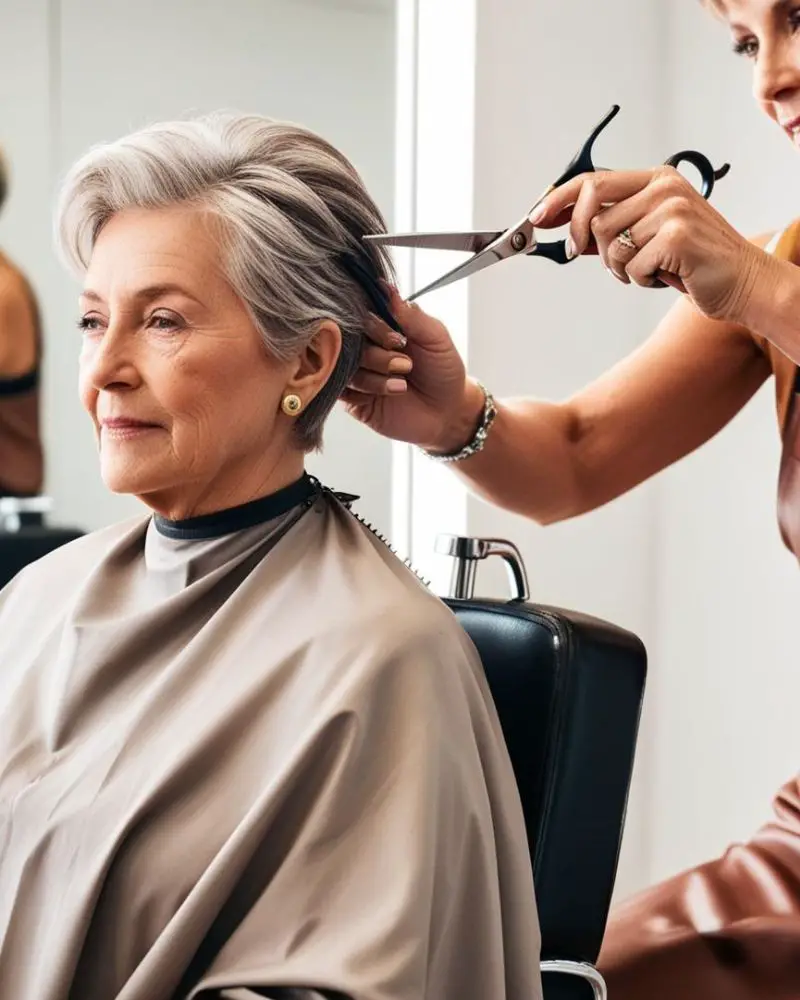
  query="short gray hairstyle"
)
[{"x": 290, "y": 205}]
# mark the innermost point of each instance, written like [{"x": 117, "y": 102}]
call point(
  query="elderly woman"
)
[
  {"x": 242, "y": 750},
  {"x": 21, "y": 463},
  {"x": 729, "y": 930}
]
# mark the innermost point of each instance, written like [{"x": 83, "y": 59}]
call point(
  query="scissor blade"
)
[
  {"x": 471, "y": 266},
  {"x": 472, "y": 242}
]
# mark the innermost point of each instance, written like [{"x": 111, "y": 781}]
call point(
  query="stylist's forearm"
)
[
  {"x": 771, "y": 308},
  {"x": 527, "y": 464}
]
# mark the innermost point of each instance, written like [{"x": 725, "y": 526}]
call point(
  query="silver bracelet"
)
[{"x": 479, "y": 438}]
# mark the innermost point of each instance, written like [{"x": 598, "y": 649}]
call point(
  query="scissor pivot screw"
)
[{"x": 518, "y": 241}]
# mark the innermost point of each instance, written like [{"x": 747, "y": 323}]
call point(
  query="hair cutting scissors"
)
[{"x": 491, "y": 246}]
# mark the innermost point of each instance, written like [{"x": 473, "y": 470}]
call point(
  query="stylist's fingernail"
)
[
  {"x": 569, "y": 248},
  {"x": 398, "y": 340},
  {"x": 400, "y": 366},
  {"x": 537, "y": 214},
  {"x": 396, "y": 385},
  {"x": 623, "y": 278}
]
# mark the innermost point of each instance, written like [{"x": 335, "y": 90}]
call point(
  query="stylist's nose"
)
[{"x": 776, "y": 80}]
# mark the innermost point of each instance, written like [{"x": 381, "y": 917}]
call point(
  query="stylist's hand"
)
[
  {"x": 415, "y": 391},
  {"x": 680, "y": 237}
]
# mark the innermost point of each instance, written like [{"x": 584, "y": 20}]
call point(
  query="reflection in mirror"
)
[
  {"x": 21, "y": 466},
  {"x": 93, "y": 72}
]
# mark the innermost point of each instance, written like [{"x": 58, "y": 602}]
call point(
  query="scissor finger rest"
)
[{"x": 708, "y": 175}]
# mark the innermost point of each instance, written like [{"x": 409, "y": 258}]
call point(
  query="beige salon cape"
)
[{"x": 253, "y": 762}]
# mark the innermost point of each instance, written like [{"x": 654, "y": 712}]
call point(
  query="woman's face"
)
[
  {"x": 767, "y": 32},
  {"x": 185, "y": 400}
]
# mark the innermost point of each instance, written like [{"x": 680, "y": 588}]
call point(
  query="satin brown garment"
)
[
  {"x": 260, "y": 764},
  {"x": 21, "y": 452},
  {"x": 730, "y": 929}
]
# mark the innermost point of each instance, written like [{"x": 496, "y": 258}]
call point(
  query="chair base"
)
[{"x": 583, "y": 971}]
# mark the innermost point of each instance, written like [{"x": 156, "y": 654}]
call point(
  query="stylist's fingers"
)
[
  {"x": 588, "y": 205},
  {"x": 376, "y": 384},
  {"x": 648, "y": 266},
  {"x": 376, "y": 359},
  {"x": 556, "y": 221},
  {"x": 656, "y": 258},
  {"x": 424, "y": 332},
  {"x": 383, "y": 335},
  {"x": 607, "y": 187},
  {"x": 621, "y": 230}
]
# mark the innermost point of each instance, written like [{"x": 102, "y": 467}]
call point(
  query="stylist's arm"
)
[{"x": 554, "y": 460}]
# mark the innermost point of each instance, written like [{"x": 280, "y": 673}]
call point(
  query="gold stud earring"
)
[{"x": 292, "y": 404}]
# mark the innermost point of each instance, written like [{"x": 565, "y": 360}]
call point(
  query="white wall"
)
[{"x": 75, "y": 72}]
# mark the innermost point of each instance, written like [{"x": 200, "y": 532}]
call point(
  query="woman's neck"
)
[{"x": 238, "y": 487}]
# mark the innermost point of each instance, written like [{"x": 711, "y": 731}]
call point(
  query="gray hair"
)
[{"x": 290, "y": 205}]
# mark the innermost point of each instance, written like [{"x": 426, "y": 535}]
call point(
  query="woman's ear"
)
[{"x": 314, "y": 365}]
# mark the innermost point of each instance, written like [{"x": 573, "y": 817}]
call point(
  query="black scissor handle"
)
[
  {"x": 708, "y": 175},
  {"x": 582, "y": 162},
  {"x": 555, "y": 251}
]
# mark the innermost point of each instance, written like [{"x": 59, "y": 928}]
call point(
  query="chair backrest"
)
[
  {"x": 18, "y": 548},
  {"x": 568, "y": 690}
]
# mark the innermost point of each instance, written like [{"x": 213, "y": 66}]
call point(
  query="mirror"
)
[{"x": 77, "y": 72}]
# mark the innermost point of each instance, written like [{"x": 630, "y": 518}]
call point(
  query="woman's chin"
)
[{"x": 136, "y": 482}]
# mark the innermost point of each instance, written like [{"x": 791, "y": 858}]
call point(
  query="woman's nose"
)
[
  {"x": 777, "y": 74},
  {"x": 110, "y": 362}
]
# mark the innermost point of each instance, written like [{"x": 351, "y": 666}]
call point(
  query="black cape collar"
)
[{"x": 247, "y": 515}]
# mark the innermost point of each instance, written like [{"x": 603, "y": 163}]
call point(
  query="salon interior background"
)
[{"x": 458, "y": 112}]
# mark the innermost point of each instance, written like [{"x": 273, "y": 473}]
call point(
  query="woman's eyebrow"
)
[
  {"x": 146, "y": 294},
  {"x": 779, "y": 8}
]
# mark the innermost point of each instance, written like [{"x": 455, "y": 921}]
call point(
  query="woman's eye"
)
[
  {"x": 87, "y": 324},
  {"x": 160, "y": 321},
  {"x": 749, "y": 46},
  {"x": 746, "y": 47}
]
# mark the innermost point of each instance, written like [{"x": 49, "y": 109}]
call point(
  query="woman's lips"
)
[
  {"x": 792, "y": 128},
  {"x": 123, "y": 428}
]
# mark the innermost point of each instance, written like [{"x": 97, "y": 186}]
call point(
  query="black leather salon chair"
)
[
  {"x": 568, "y": 690},
  {"x": 24, "y": 534}
]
